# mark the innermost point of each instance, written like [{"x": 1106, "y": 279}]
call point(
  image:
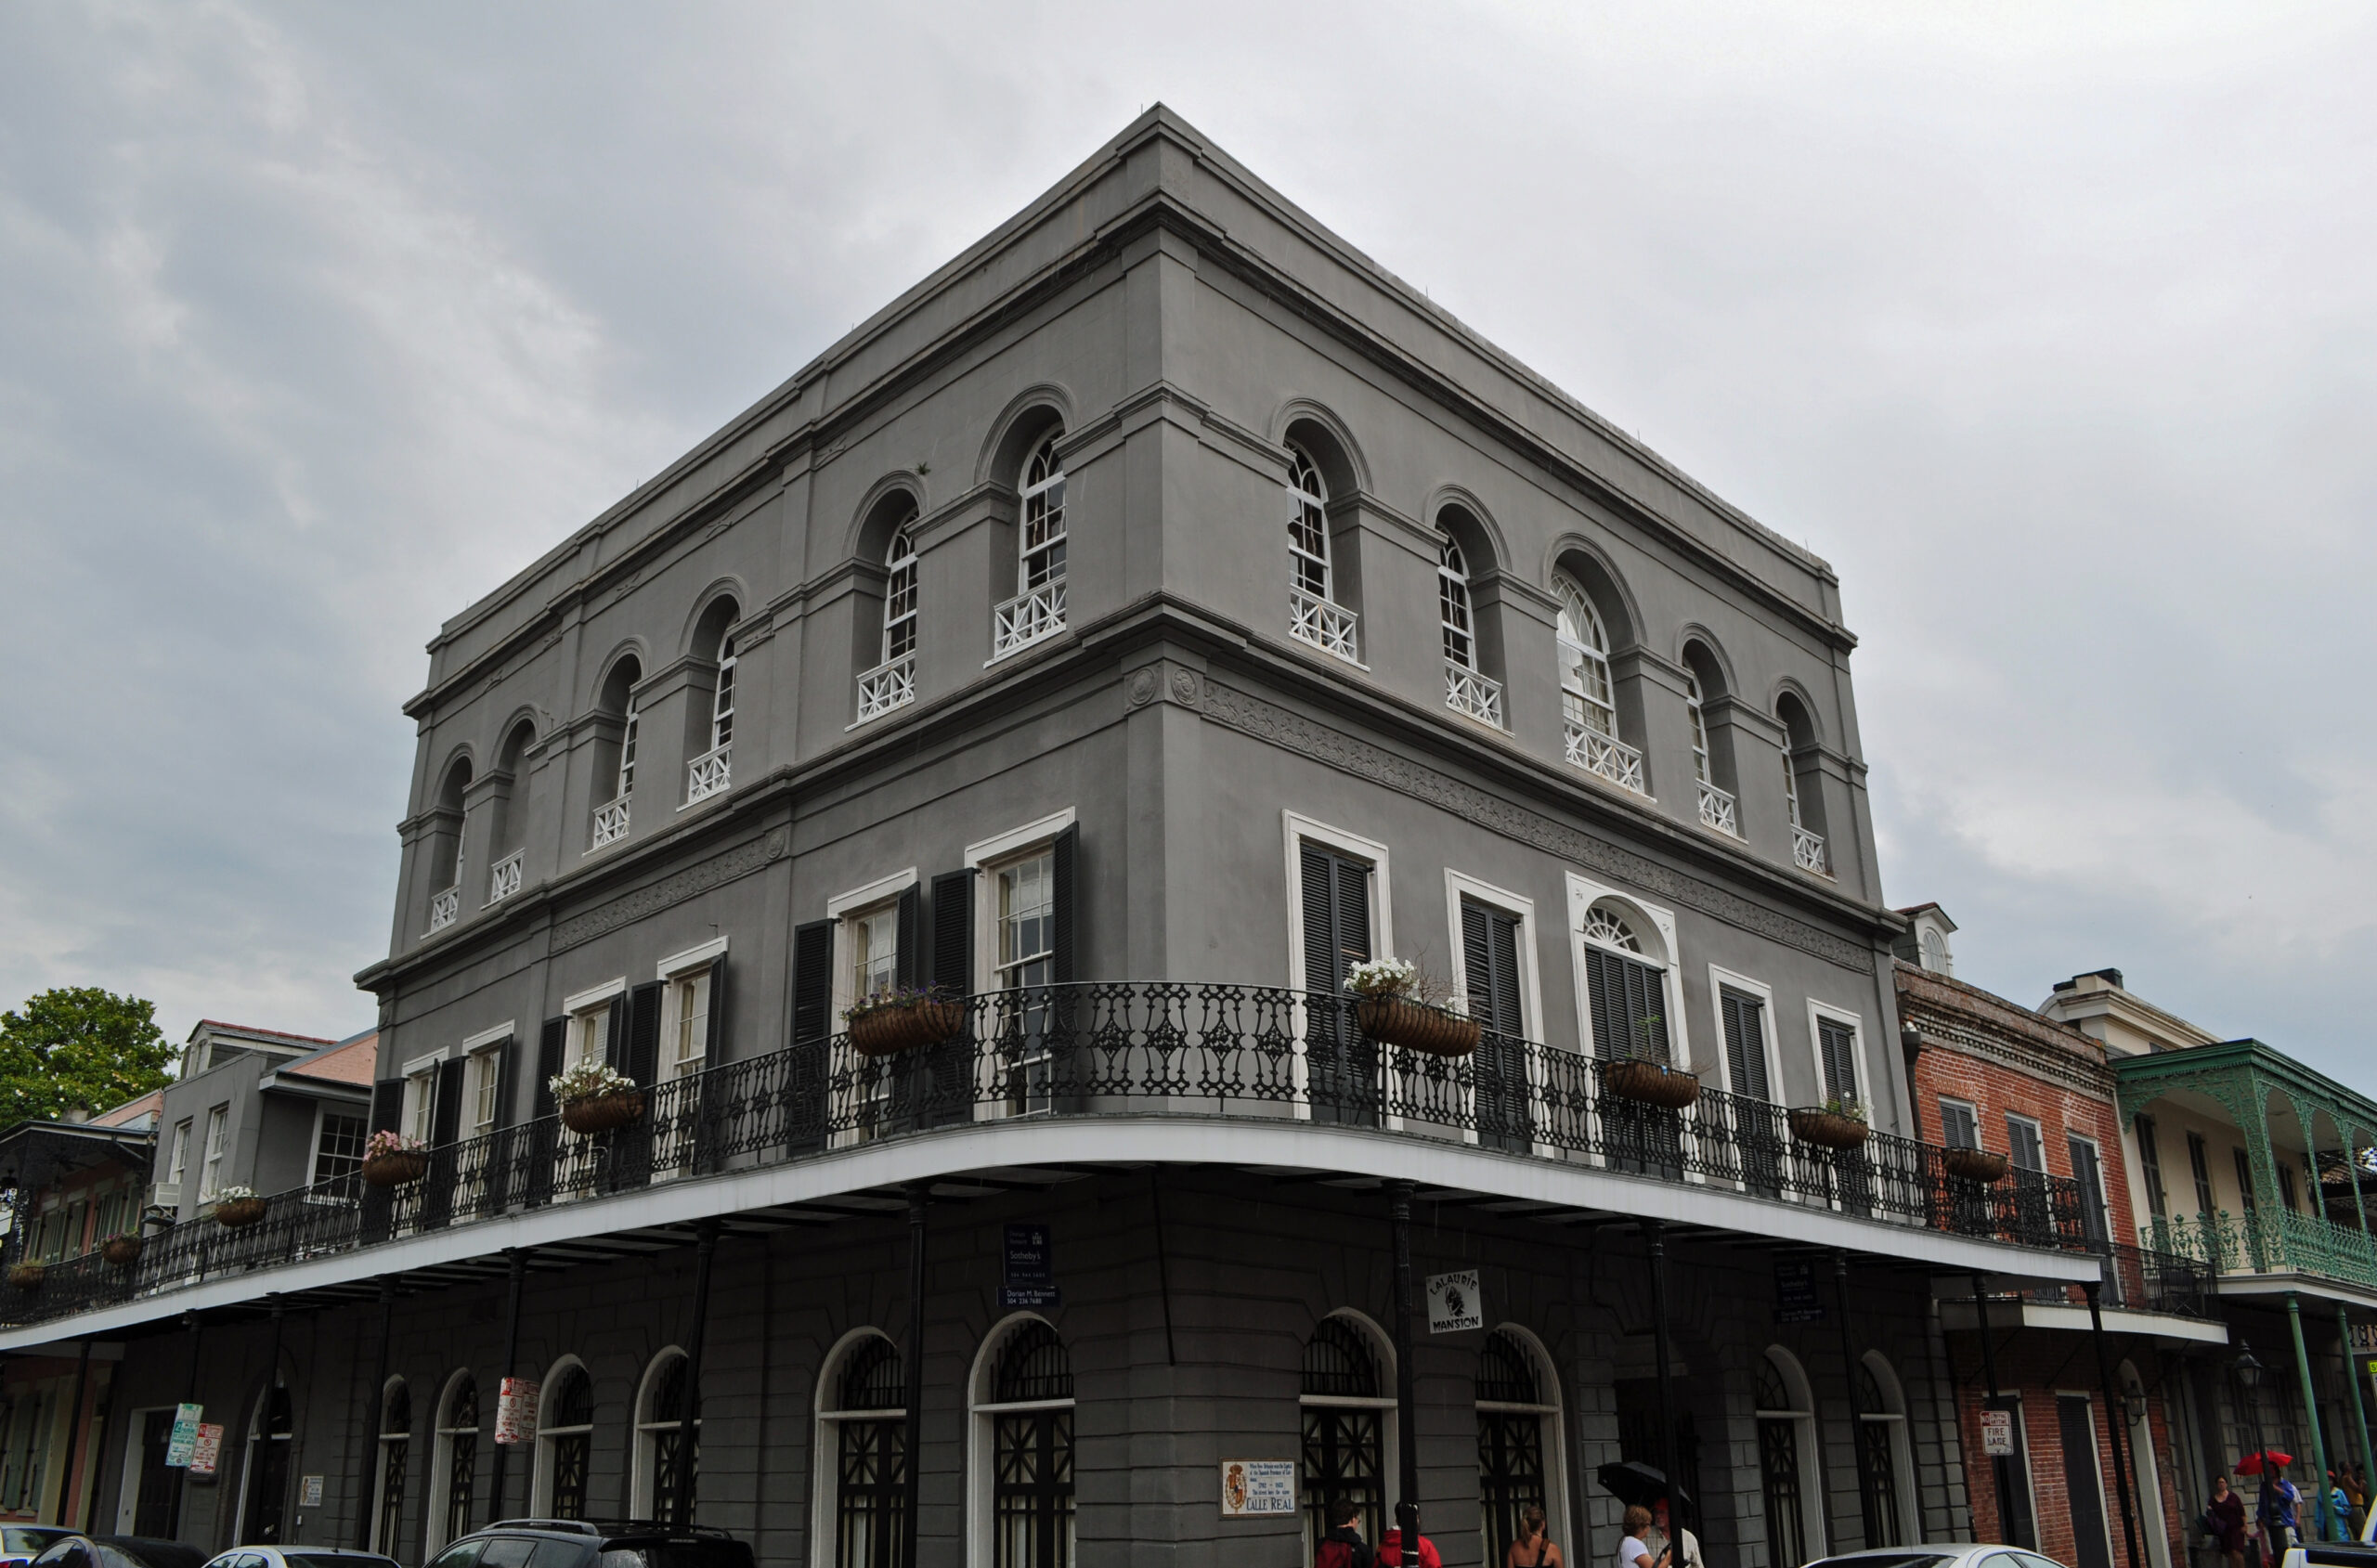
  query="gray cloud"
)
[{"x": 2053, "y": 331}]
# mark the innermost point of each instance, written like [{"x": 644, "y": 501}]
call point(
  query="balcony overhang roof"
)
[
  {"x": 2143, "y": 1078},
  {"x": 35, "y": 1154},
  {"x": 2271, "y": 1289},
  {"x": 982, "y": 1159},
  {"x": 1959, "y": 1315}
]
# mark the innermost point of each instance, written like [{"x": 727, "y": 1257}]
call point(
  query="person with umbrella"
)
[
  {"x": 1635, "y": 1551},
  {"x": 2278, "y": 1498},
  {"x": 1644, "y": 1489}
]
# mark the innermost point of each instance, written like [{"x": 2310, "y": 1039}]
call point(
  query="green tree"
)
[{"x": 78, "y": 1046}]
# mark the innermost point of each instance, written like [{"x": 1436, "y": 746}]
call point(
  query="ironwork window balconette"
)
[
  {"x": 887, "y": 686},
  {"x": 1029, "y": 618},
  {"x": 1475, "y": 694},
  {"x": 1604, "y": 755},
  {"x": 710, "y": 773},
  {"x": 610, "y": 823},
  {"x": 445, "y": 908},
  {"x": 1329, "y": 628},
  {"x": 1807, "y": 851},
  {"x": 1717, "y": 811},
  {"x": 504, "y": 880}
]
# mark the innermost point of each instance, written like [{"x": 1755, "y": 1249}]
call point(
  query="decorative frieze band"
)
[
  {"x": 719, "y": 869},
  {"x": 1292, "y": 731}
]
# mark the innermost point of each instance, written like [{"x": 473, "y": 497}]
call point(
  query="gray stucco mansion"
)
[{"x": 1154, "y": 612}]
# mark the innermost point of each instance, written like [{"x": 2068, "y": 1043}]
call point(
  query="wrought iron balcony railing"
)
[
  {"x": 1717, "y": 811},
  {"x": 2269, "y": 1240},
  {"x": 1247, "y": 1053},
  {"x": 1028, "y": 617},
  {"x": 1475, "y": 694},
  {"x": 1604, "y": 755},
  {"x": 1332, "y": 629},
  {"x": 888, "y": 685},
  {"x": 2137, "y": 1280},
  {"x": 504, "y": 880}
]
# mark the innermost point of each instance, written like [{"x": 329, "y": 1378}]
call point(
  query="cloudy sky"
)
[{"x": 2053, "y": 328}]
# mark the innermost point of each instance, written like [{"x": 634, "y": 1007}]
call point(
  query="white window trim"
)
[
  {"x": 2104, "y": 1189},
  {"x": 540, "y": 1482},
  {"x": 1809, "y": 1441},
  {"x": 1003, "y": 846},
  {"x": 1298, "y": 828},
  {"x": 504, "y": 1031},
  {"x": 1969, "y": 1106},
  {"x": 420, "y": 1065},
  {"x": 2038, "y": 1131},
  {"x": 1583, "y": 893},
  {"x": 128, "y": 1504},
  {"x": 645, "y": 1480},
  {"x": 323, "y": 1111},
  {"x": 825, "y": 1474},
  {"x": 581, "y": 1001},
  {"x": 699, "y": 957},
  {"x": 881, "y": 891},
  {"x": 1856, "y": 1021},
  {"x": 1721, "y": 979}
]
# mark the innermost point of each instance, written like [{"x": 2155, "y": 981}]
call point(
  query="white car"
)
[
  {"x": 1952, "y": 1554},
  {"x": 299, "y": 1557}
]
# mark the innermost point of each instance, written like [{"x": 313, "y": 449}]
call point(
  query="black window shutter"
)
[
  {"x": 507, "y": 1081},
  {"x": 644, "y": 1032},
  {"x": 1478, "y": 961},
  {"x": 1322, "y": 975},
  {"x": 1629, "y": 1004},
  {"x": 446, "y": 1119},
  {"x": 813, "y": 980},
  {"x": 1839, "y": 1044},
  {"x": 550, "y": 1043},
  {"x": 717, "y": 1045},
  {"x": 1063, "y": 858},
  {"x": 1745, "y": 1020},
  {"x": 1353, "y": 915},
  {"x": 1600, "y": 987},
  {"x": 1490, "y": 946},
  {"x": 1504, "y": 945},
  {"x": 905, "y": 964},
  {"x": 615, "y": 1039},
  {"x": 953, "y": 932},
  {"x": 388, "y": 1105}
]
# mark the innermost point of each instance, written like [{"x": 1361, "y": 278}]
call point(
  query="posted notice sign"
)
[
  {"x": 1997, "y": 1434},
  {"x": 516, "y": 1411},
  {"x": 206, "y": 1452},
  {"x": 1028, "y": 1275},
  {"x": 184, "y": 1440},
  {"x": 1258, "y": 1488},
  {"x": 309, "y": 1491},
  {"x": 1454, "y": 1303}
]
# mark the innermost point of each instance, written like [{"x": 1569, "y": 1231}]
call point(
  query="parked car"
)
[
  {"x": 22, "y": 1542},
  {"x": 1953, "y": 1554},
  {"x": 300, "y": 1557},
  {"x": 117, "y": 1551},
  {"x": 576, "y": 1543}
]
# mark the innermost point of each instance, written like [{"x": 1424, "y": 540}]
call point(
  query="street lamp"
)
[{"x": 2249, "y": 1375}]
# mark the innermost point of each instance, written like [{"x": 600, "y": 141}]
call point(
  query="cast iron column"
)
[
  {"x": 367, "y": 1495},
  {"x": 1656, "y": 1234},
  {"x": 1407, "y": 1426},
  {"x": 912, "y": 1489},
  {"x": 1856, "y": 1414},
  {"x": 2352, "y": 1381},
  {"x": 517, "y": 1263},
  {"x": 2124, "y": 1479},
  {"x": 2311, "y": 1413},
  {"x": 190, "y": 1396},
  {"x": 688, "y": 1419}
]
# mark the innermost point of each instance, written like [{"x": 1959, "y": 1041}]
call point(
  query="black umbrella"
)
[{"x": 1637, "y": 1485}]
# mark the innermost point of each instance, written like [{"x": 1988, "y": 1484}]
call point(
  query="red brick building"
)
[{"x": 2093, "y": 1460}]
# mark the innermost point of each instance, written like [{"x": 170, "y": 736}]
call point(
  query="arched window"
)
[
  {"x": 1712, "y": 762},
  {"x": 1886, "y": 1463},
  {"x": 267, "y": 1470},
  {"x": 1038, "y": 608},
  {"x": 721, "y": 702},
  {"x": 1346, "y": 1397},
  {"x": 565, "y": 1443},
  {"x": 1588, "y": 697},
  {"x": 508, "y": 814},
  {"x": 1315, "y": 616},
  {"x": 1518, "y": 1439},
  {"x": 711, "y": 771},
  {"x": 446, "y": 856},
  {"x": 660, "y": 1410},
  {"x": 892, "y": 682},
  {"x": 1023, "y": 1428},
  {"x": 1626, "y": 986},
  {"x": 611, "y": 812},
  {"x": 1467, "y": 689},
  {"x": 1806, "y": 809},
  {"x": 1788, "y": 1466},
  {"x": 862, "y": 1453},
  {"x": 396, "y": 1445},
  {"x": 458, "y": 1458}
]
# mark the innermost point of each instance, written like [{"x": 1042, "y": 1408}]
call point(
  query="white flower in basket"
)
[
  {"x": 234, "y": 1194},
  {"x": 1383, "y": 976},
  {"x": 588, "y": 1079}
]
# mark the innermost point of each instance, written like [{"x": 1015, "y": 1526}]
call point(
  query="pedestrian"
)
[
  {"x": 1534, "y": 1547},
  {"x": 1390, "y": 1550},
  {"x": 2281, "y": 1502},
  {"x": 1688, "y": 1545},
  {"x": 1343, "y": 1546},
  {"x": 2340, "y": 1507},
  {"x": 1634, "y": 1552},
  {"x": 2223, "y": 1521}
]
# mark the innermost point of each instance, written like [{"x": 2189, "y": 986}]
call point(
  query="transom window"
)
[
  {"x": 721, "y": 712},
  {"x": 1452, "y": 607},
  {"x": 1584, "y": 662},
  {"x": 1307, "y": 523},
  {"x": 1043, "y": 518},
  {"x": 900, "y": 594},
  {"x": 1027, "y": 916},
  {"x": 1605, "y": 926}
]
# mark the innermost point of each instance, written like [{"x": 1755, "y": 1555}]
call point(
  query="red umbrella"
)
[{"x": 2251, "y": 1463}]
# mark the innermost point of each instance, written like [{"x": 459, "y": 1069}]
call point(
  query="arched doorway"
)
[
  {"x": 267, "y": 1470},
  {"x": 1022, "y": 1393},
  {"x": 1789, "y": 1476},
  {"x": 1347, "y": 1450},
  {"x": 1518, "y": 1439}
]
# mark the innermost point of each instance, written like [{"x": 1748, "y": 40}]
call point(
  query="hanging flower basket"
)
[
  {"x": 1415, "y": 1026},
  {"x": 1652, "y": 1083},
  {"x": 1975, "y": 1164},
  {"x": 603, "y": 1113},
  {"x": 1827, "y": 1129},
  {"x": 886, "y": 1026},
  {"x": 27, "y": 1276},
  {"x": 237, "y": 1212},
  {"x": 396, "y": 1167},
  {"x": 122, "y": 1251}
]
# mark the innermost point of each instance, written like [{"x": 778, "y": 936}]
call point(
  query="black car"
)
[
  {"x": 118, "y": 1552},
  {"x": 574, "y": 1543},
  {"x": 22, "y": 1542}
]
